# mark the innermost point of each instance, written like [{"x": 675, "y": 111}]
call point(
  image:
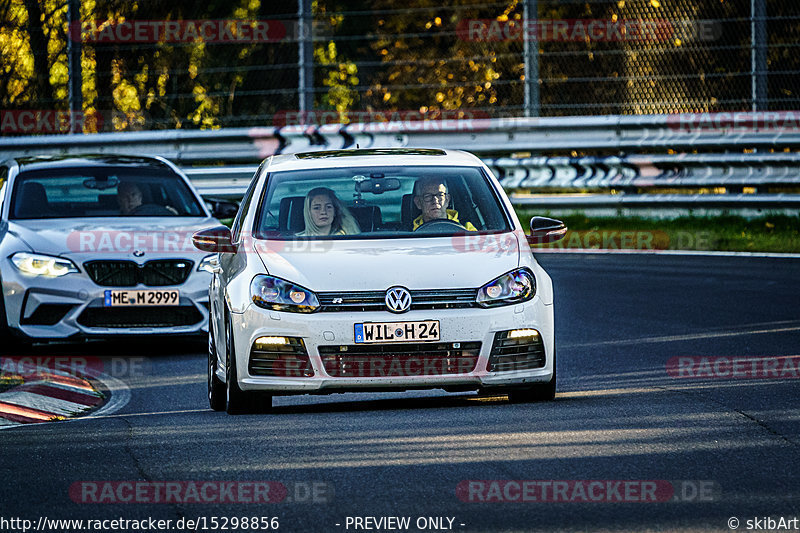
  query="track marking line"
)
[
  {"x": 664, "y": 252},
  {"x": 678, "y": 338}
]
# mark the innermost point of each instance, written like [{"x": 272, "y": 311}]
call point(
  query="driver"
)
[
  {"x": 431, "y": 197},
  {"x": 129, "y": 198}
]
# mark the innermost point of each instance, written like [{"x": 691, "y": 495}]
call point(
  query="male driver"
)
[
  {"x": 431, "y": 197},
  {"x": 129, "y": 198}
]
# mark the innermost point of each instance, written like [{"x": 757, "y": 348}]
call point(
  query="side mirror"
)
[
  {"x": 544, "y": 230},
  {"x": 222, "y": 209},
  {"x": 214, "y": 240}
]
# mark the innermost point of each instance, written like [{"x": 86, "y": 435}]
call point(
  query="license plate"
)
[
  {"x": 423, "y": 330},
  {"x": 118, "y": 298}
]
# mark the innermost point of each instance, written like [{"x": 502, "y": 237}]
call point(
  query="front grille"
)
[
  {"x": 47, "y": 315},
  {"x": 113, "y": 273},
  {"x": 400, "y": 360},
  {"x": 140, "y": 317},
  {"x": 280, "y": 360},
  {"x": 165, "y": 272},
  {"x": 523, "y": 353},
  {"x": 376, "y": 300},
  {"x": 156, "y": 273}
]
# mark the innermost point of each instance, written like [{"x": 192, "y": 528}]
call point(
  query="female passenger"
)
[{"x": 325, "y": 214}]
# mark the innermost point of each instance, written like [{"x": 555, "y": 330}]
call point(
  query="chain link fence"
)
[{"x": 246, "y": 63}]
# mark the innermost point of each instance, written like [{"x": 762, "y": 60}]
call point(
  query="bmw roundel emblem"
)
[
  {"x": 138, "y": 253},
  {"x": 398, "y": 299}
]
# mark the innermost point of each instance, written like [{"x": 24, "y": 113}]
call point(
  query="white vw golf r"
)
[{"x": 377, "y": 270}]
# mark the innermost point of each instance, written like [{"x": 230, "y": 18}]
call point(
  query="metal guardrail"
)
[
  {"x": 629, "y": 174},
  {"x": 634, "y": 133},
  {"x": 196, "y": 151},
  {"x": 732, "y": 171},
  {"x": 660, "y": 201}
]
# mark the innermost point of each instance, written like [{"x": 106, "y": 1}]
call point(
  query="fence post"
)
[
  {"x": 305, "y": 60},
  {"x": 758, "y": 54},
  {"x": 75, "y": 90},
  {"x": 531, "y": 51}
]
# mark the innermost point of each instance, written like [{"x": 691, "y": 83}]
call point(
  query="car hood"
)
[
  {"x": 89, "y": 238},
  {"x": 415, "y": 263}
]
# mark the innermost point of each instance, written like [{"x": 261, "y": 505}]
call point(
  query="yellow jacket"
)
[{"x": 452, "y": 214}]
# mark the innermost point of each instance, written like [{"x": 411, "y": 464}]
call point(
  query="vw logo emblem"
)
[
  {"x": 398, "y": 300},
  {"x": 138, "y": 253}
]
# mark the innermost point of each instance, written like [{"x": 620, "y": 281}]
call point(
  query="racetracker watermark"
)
[
  {"x": 178, "y": 31},
  {"x": 203, "y": 492},
  {"x": 52, "y": 121},
  {"x": 405, "y": 120},
  {"x": 736, "y": 122},
  {"x": 586, "y": 491},
  {"x": 146, "y": 241},
  {"x": 612, "y": 240},
  {"x": 587, "y": 30},
  {"x": 502, "y": 244},
  {"x": 30, "y": 366},
  {"x": 705, "y": 367},
  {"x": 397, "y": 366}
]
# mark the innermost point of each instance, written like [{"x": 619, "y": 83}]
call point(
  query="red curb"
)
[
  {"x": 67, "y": 380},
  {"x": 20, "y": 419},
  {"x": 43, "y": 382},
  {"x": 60, "y": 394},
  {"x": 10, "y": 409}
]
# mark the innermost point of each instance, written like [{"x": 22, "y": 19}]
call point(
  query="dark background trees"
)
[{"x": 389, "y": 55}]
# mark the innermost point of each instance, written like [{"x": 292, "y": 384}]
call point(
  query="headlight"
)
[
  {"x": 515, "y": 287},
  {"x": 43, "y": 265},
  {"x": 208, "y": 263},
  {"x": 270, "y": 292}
]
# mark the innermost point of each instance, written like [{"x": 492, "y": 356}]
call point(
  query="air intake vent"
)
[{"x": 520, "y": 353}]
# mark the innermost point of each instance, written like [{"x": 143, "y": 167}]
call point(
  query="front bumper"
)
[
  {"x": 79, "y": 297},
  {"x": 332, "y": 328}
]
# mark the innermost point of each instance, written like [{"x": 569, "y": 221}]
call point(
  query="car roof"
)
[
  {"x": 373, "y": 157},
  {"x": 87, "y": 160}
]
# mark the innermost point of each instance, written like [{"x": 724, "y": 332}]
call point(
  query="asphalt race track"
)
[{"x": 716, "y": 446}]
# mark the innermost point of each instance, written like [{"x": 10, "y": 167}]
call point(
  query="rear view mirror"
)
[
  {"x": 101, "y": 184},
  {"x": 545, "y": 230},
  {"x": 378, "y": 185}
]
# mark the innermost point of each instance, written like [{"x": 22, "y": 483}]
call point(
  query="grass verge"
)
[{"x": 771, "y": 233}]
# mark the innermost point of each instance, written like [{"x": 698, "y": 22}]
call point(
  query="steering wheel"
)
[{"x": 439, "y": 225}]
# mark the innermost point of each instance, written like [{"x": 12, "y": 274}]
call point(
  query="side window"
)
[{"x": 236, "y": 227}]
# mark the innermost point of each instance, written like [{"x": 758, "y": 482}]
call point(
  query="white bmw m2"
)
[{"x": 377, "y": 270}]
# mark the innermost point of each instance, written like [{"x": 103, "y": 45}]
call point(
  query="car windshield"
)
[
  {"x": 379, "y": 202},
  {"x": 102, "y": 192}
]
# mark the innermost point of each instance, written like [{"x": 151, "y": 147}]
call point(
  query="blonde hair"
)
[{"x": 343, "y": 221}]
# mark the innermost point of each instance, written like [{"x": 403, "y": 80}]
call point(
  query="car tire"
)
[
  {"x": 216, "y": 388},
  {"x": 260, "y": 402},
  {"x": 239, "y": 401},
  {"x": 540, "y": 392}
]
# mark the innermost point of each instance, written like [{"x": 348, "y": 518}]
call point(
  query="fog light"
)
[
  {"x": 272, "y": 340},
  {"x": 522, "y": 333}
]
